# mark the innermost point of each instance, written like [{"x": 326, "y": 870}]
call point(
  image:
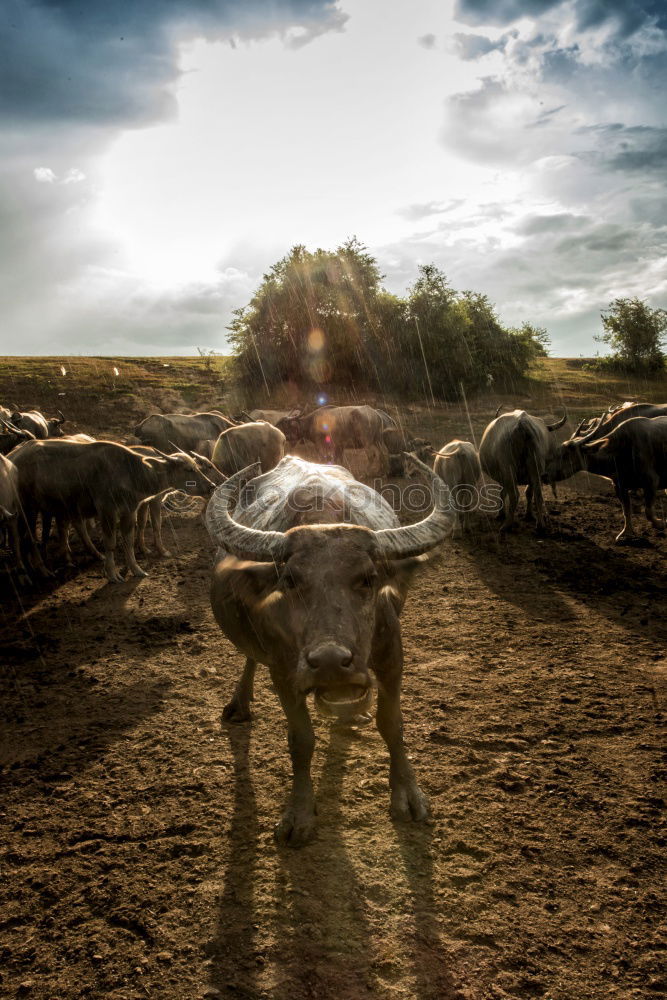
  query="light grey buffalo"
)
[
  {"x": 514, "y": 451},
  {"x": 457, "y": 464},
  {"x": 188, "y": 431},
  {"x": 633, "y": 455},
  {"x": 240, "y": 446},
  {"x": 38, "y": 425},
  {"x": 311, "y": 576}
]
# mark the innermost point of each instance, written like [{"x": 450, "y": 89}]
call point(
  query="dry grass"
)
[{"x": 109, "y": 394}]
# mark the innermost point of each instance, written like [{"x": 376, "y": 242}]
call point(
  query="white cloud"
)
[
  {"x": 44, "y": 175},
  {"x": 73, "y": 176}
]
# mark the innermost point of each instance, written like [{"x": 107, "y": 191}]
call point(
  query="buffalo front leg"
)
[
  {"x": 155, "y": 510},
  {"x": 238, "y": 708},
  {"x": 297, "y": 825},
  {"x": 408, "y": 802},
  {"x": 142, "y": 518},
  {"x": 13, "y": 531},
  {"x": 650, "y": 490},
  {"x": 628, "y": 531},
  {"x": 64, "y": 550},
  {"x": 127, "y": 527},
  {"x": 109, "y": 532},
  {"x": 81, "y": 528}
]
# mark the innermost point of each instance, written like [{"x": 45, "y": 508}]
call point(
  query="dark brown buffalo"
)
[
  {"x": 633, "y": 456},
  {"x": 9, "y": 508},
  {"x": 332, "y": 429},
  {"x": 74, "y": 481},
  {"x": 514, "y": 450},
  {"x": 152, "y": 506},
  {"x": 11, "y": 436},
  {"x": 592, "y": 429},
  {"x": 311, "y": 577},
  {"x": 397, "y": 442}
]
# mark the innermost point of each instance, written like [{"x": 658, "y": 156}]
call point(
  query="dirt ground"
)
[{"x": 136, "y": 838}]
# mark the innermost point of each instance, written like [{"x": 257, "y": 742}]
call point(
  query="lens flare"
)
[{"x": 315, "y": 340}]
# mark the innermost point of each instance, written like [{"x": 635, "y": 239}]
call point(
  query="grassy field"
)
[{"x": 100, "y": 393}]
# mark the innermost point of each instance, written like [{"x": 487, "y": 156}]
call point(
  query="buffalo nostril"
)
[{"x": 329, "y": 656}]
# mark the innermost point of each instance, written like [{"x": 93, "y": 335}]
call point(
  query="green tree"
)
[
  {"x": 310, "y": 320},
  {"x": 323, "y": 317},
  {"x": 453, "y": 341},
  {"x": 635, "y": 333}
]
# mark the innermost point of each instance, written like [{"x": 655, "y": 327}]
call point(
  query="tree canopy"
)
[
  {"x": 323, "y": 317},
  {"x": 635, "y": 333}
]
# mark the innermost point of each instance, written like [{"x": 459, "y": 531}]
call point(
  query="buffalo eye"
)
[
  {"x": 366, "y": 582},
  {"x": 289, "y": 581}
]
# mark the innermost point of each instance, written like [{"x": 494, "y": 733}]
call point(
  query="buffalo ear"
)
[
  {"x": 399, "y": 572},
  {"x": 250, "y": 581},
  {"x": 593, "y": 447}
]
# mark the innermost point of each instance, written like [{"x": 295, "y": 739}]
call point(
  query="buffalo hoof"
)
[
  {"x": 296, "y": 828},
  {"x": 638, "y": 541},
  {"x": 235, "y": 711},
  {"x": 408, "y": 803}
]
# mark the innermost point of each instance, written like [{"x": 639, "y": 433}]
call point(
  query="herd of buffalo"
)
[{"x": 313, "y": 566}]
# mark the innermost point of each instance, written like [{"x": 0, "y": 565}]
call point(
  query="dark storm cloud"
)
[
  {"x": 103, "y": 62},
  {"x": 626, "y": 16},
  {"x": 639, "y": 148}
]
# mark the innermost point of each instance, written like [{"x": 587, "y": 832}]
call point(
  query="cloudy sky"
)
[{"x": 158, "y": 156}]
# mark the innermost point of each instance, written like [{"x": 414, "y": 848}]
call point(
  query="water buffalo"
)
[
  {"x": 514, "y": 451},
  {"x": 457, "y": 464},
  {"x": 11, "y": 436},
  {"x": 152, "y": 506},
  {"x": 633, "y": 455},
  {"x": 311, "y": 577},
  {"x": 241, "y": 446},
  {"x": 599, "y": 427},
  {"x": 332, "y": 429},
  {"x": 74, "y": 481},
  {"x": 188, "y": 431},
  {"x": 9, "y": 507},
  {"x": 272, "y": 416},
  {"x": 397, "y": 442},
  {"x": 38, "y": 425}
]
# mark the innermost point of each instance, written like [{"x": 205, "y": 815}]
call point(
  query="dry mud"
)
[{"x": 136, "y": 846}]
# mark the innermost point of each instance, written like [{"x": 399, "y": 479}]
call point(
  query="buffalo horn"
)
[
  {"x": 414, "y": 539},
  {"x": 262, "y": 546},
  {"x": 558, "y": 424}
]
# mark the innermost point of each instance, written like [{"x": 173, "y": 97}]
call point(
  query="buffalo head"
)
[{"x": 317, "y": 588}]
